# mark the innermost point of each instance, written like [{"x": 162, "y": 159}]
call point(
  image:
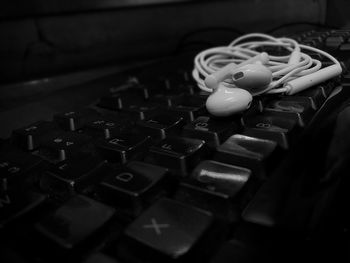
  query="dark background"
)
[{"x": 42, "y": 38}]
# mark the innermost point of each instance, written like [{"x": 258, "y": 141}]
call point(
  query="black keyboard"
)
[{"x": 143, "y": 173}]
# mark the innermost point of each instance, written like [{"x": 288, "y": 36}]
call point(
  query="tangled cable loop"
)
[{"x": 283, "y": 68}]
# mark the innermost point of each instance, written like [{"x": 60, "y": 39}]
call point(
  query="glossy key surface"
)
[
  {"x": 161, "y": 125},
  {"x": 275, "y": 128},
  {"x": 106, "y": 127},
  {"x": 74, "y": 120},
  {"x": 64, "y": 179},
  {"x": 179, "y": 154},
  {"x": 246, "y": 151},
  {"x": 170, "y": 228},
  {"x": 221, "y": 178},
  {"x": 124, "y": 146},
  {"x": 216, "y": 187},
  {"x": 133, "y": 187},
  {"x": 213, "y": 131},
  {"x": 16, "y": 203},
  {"x": 30, "y": 137},
  {"x": 74, "y": 221},
  {"x": 299, "y": 109},
  {"x": 61, "y": 146}
]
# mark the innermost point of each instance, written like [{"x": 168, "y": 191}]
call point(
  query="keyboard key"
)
[
  {"x": 71, "y": 176},
  {"x": 124, "y": 147},
  {"x": 213, "y": 131},
  {"x": 30, "y": 137},
  {"x": 250, "y": 152},
  {"x": 74, "y": 120},
  {"x": 314, "y": 95},
  {"x": 295, "y": 108},
  {"x": 268, "y": 126},
  {"x": 235, "y": 251},
  {"x": 113, "y": 102},
  {"x": 179, "y": 154},
  {"x": 223, "y": 179},
  {"x": 75, "y": 221},
  {"x": 189, "y": 107},
  {"x": 215, "y": 187},
  {"x": 327, "y": 87},
  {"x": 169, "y": 230},
  {"x": 99, "y": 258},
  {"x": 333, "y": 42},
  {"x": 107, "y": 127},
  {"x": 118, "y": 101},
  {"x": 161, "y": 125},
  {"x": 59, "y": 147},
  {"x": 140, "y": 111},
  {"x": 187, "y": 88},
  {"x": 166, "y": 98},
  {"x": 134, "y": 187},
  {"x": 137, "y": 91},
  {"x": 126, "y": 82},
  {"x": 16, "y": 168},
  {"x": 16, "y": 203}
]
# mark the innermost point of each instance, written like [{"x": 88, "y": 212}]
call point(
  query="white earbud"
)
[
  {"x": 249, "y": 79},
  {"x": 233, "y": 85},
  {"x": 225, "y": 101},
  {"x": 254, "y": 78},
  {"x": 213, "y": 80}
]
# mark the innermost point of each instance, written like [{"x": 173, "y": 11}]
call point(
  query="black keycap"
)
[
  {"x": 179, "y": 154},
  {"x": 113, "y": 102},
  {"x": 169, "y": 230},
  {"x": 16, "y": 168},
  {"x": 215, "y": 187},
  {"x": 187, "y": 88},
  {"x": 189, "y": 107},
  {"x": 134, "y": 187},
  {"x": 107, "y": 127},
  {"x": 165, "y": 98},
  {"x": 126, "y": 82},
  {"x": 223, "y": 179},
  {"x": 157, "y": 82},
  {"x": 140, "y": 111},
  {"x": 16, "y": 203},
  {"x": 139, "y": 92},
  {"x": 295, "y": 108},
  {"x": 268, "y": 126},
  {"x": 124, "y": 147},
  {"x": 235, "y": 251},
  {"x": 314, "y": 95},
  {"x": 161, "y": 125},
  {"x": 74, "y": 222},
  {"x": 345, "y": 47},
  {"x": 59, "y": 147},
  {"x": 250, "y": 152},
  {"x": 333, "y": 42},
  {"x": 213, "y": 131},
  {"x": 71, "y": 176},
  {"x": 120, "y": 100},
  {"x": 327, "y": 87},
  {"x": 99, "y": 258},
  {"x": 74, "y": 120},
  {"x": 30, "y": 137}
]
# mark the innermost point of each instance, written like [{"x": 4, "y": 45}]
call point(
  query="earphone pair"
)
[{"x": 236, "y": 73}]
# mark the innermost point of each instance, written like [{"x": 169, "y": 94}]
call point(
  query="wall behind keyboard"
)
[{"x": 38, "y": 46}]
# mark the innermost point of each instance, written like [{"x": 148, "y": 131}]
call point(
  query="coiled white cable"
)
[{"x": 284, "y": 68}]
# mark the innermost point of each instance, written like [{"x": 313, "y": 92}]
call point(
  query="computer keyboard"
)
[{"x": 145, "y": 174}]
